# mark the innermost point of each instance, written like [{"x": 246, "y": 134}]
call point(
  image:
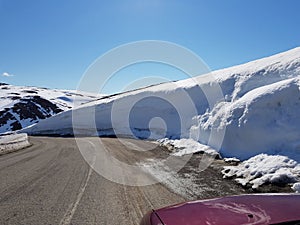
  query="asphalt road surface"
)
[{"x": 51, "y": 183}]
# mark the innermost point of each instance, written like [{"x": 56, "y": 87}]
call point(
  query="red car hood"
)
[{"x": 244, "y": 209}]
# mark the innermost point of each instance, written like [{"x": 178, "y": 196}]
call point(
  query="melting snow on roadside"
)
[
  {"x": 171, "y": 179},
  {"x": 187, "y": 146},
  {"x": 263, "y": 168},
  {"x": 256, "y": 171}
]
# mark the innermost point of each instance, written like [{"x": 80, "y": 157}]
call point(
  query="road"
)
[{"x": 51, "y": 183}]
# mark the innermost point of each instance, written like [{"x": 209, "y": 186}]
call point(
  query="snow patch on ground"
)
[
  {"x": 185, "y": 146},
  {"x": 13, "y": 142},
  {"x": 263, "y": 168}
]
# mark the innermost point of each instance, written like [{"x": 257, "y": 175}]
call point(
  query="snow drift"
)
[{"x": 259, "y": 112}]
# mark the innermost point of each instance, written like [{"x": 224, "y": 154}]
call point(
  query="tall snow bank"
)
[
  {"x": 265, "y": 120},
  {"x": 260, "y": 114},
  {"x": 155, "y": 112},
  {"x": 13, "y": 142}
]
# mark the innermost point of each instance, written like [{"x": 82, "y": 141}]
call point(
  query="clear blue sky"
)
[{"x": 51, "y": 43}]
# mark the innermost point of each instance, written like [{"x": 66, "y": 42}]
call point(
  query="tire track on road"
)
[{"x": 67, "y": 218}]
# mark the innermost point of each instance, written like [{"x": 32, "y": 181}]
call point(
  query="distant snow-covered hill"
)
[
  {"x": 260, "y": 111},
  {"x": 23, "y": 106}
]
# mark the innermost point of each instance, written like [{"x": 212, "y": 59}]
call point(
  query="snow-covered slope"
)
[
  {"x": 259, "y": 113},
  {"x": 23, "y": 106}
]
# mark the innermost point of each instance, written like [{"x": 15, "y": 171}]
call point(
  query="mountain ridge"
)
[{"x": 22, "y": 106}]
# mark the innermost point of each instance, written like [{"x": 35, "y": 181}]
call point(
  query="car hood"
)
[{"x": 245, "y": 209}]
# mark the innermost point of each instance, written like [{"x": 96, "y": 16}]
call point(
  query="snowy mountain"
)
[
  {"x": 23, "y": 106},
  {"x": 259, "y": 113}
]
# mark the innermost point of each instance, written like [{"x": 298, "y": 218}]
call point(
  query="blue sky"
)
[{"x": 51, "y": 43}]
